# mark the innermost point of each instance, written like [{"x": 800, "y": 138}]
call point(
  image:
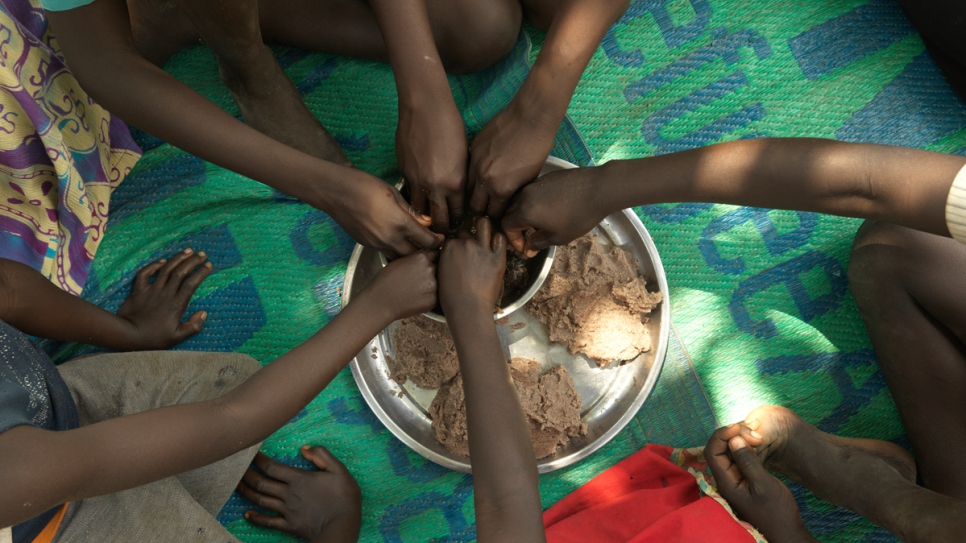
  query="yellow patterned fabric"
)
[{"x": 61, "y": 155}]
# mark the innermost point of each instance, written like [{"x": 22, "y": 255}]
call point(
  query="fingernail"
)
[
  {"x": 208, "y": 265},
  {"x": 737, "y": 443},
  {"x": 756, "y": 435},
  {"x": 163, "y": 260},
  {"x": 204, "y": 315},
  {"x": 248, "y": 516},
  {"x": 188, "y": 251},
  {"x": 202, "y": 253},
  {"x": 753, "y": 423}
]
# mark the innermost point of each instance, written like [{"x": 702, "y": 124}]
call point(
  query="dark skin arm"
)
[
  {"x": 430, "y": 139},
  {"x": 149, "y": 319},
  {"x": 506, "y": 494},
  {"x": 97, "y": 43},
  {"x": 513, "y": 146},
  {"x": 757, "y": 496},
  {"x": 45, "y": 468},
  {"x": 892, "y": 184}
]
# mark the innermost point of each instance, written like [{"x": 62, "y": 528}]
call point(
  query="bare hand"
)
[
  {"x": 756, "y": 495},
  {"x": 507, "y": 154},
  {"x": 471, "y": 269},
  {"x": 407, "y": 286},
  {"x": 307, "y": 503},
  {"x": 553, "y": 210},
  {"x": 155, "y": 309},
  {"x": 377, "y": 216},
  {"x": 432, "y": 152}
]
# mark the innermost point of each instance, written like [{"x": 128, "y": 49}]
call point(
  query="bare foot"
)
[
  {"x": 270, "y": 103},
  {"x": 825, "y": 464},
  {"x": 308, "y": 503},
  {"x": 160, "y": 29}
]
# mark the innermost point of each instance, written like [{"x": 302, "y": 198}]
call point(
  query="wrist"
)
[
  {"x": 537, "y": 109},
  {"x": 471, "y": 310},
  {"x": 372, "y": 304}
]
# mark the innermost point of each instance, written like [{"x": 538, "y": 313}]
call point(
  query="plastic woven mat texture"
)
[{"x": 760, "y": 298}]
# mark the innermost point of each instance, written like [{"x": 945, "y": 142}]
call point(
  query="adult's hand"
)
[
  {"x": 377, "y": 216},
  {"x": 507, "y": 154},
  {"x": 432, "y": 152}
]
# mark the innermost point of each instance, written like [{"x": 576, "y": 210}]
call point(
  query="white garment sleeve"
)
[{"x": 956, "y": 207}]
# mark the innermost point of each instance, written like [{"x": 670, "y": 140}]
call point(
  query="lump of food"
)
[
  {"x": 550, "y": 402},
  {"x": 425, "y": 353},
  {"x": 594, "y": 302}
]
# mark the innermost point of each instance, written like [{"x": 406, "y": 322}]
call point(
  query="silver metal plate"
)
[{"x": 611, "y": 396}]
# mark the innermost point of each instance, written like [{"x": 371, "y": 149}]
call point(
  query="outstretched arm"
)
[
  {"x": 892, "y": 184},
  {"x": 97, "y": 43},
  {"x": 513, "y": 146},
  {"x": 507, "y": 497},
  {"x": 430, "y": 138},
  {"x": 44, "y": 468},
  {"x": 149, "y": 319}
]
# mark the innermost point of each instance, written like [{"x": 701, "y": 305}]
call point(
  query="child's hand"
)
[
  {"x": 155, "y": 309},
  {"x": 377, "y": 216},
  {"x": 324, "y": 505},
  {"x": 471, "y": 270},
  {"x": 407, "y": 286},
  {"x": 432, "y": 152},
  {"x": 560, "y": 207},
  {"x": 506, "y": 155},
  {"x": 757, "y": 496}
]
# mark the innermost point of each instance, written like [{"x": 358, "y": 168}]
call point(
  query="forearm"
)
[
  {"x": 105, "y": 62},
  {"x": 574, "y": 35},
  {"x": 133, "y": 450},
  {"x": 34, "y": 305},
  {"x": 505, "y": 483},
  {"x": 893, "y": 184},
  {"x": 417, "y": 68}
]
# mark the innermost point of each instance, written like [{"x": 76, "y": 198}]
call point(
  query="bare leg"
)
[
  {"x": 470, "y": 34},
  {"x": 910, "y": 290},
  {"x": 266, "y": 97},
  {"x": 876, "y": 479}
]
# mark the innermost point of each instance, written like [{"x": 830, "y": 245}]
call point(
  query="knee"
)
[
  {"x": 486, "y": 33},
  {"x": 875, "y": 269},
  {"x": 233, "y": 369}
]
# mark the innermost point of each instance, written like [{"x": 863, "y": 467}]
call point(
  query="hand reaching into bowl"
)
[{"x": 471, "y": 270}]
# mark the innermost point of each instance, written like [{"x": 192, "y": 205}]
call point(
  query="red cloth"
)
[{"x": 646, "y": 497}]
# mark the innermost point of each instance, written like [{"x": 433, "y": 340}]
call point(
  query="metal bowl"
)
[{"x": 611, "y": 396}]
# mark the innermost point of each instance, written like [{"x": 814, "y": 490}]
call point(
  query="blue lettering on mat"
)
[
  {"x": 775, "y": 243},
  {"x": 724, "y": 46},
  {"x": 915, "y": 109},
  {"x": 787, "y": 273},
  {"x": 835, "y": 43},
  {"x": 673, "y": 35}
]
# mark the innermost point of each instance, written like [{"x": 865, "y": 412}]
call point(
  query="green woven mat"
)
[{"x": 760, "y": 299}]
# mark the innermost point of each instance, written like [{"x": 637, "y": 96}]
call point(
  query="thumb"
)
[
  {"x": 536, "y": 242},
  {"x": 321, "y": 457},
  {"x": 191, "y": 326},
  {"x": 747, "y": 461}
]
